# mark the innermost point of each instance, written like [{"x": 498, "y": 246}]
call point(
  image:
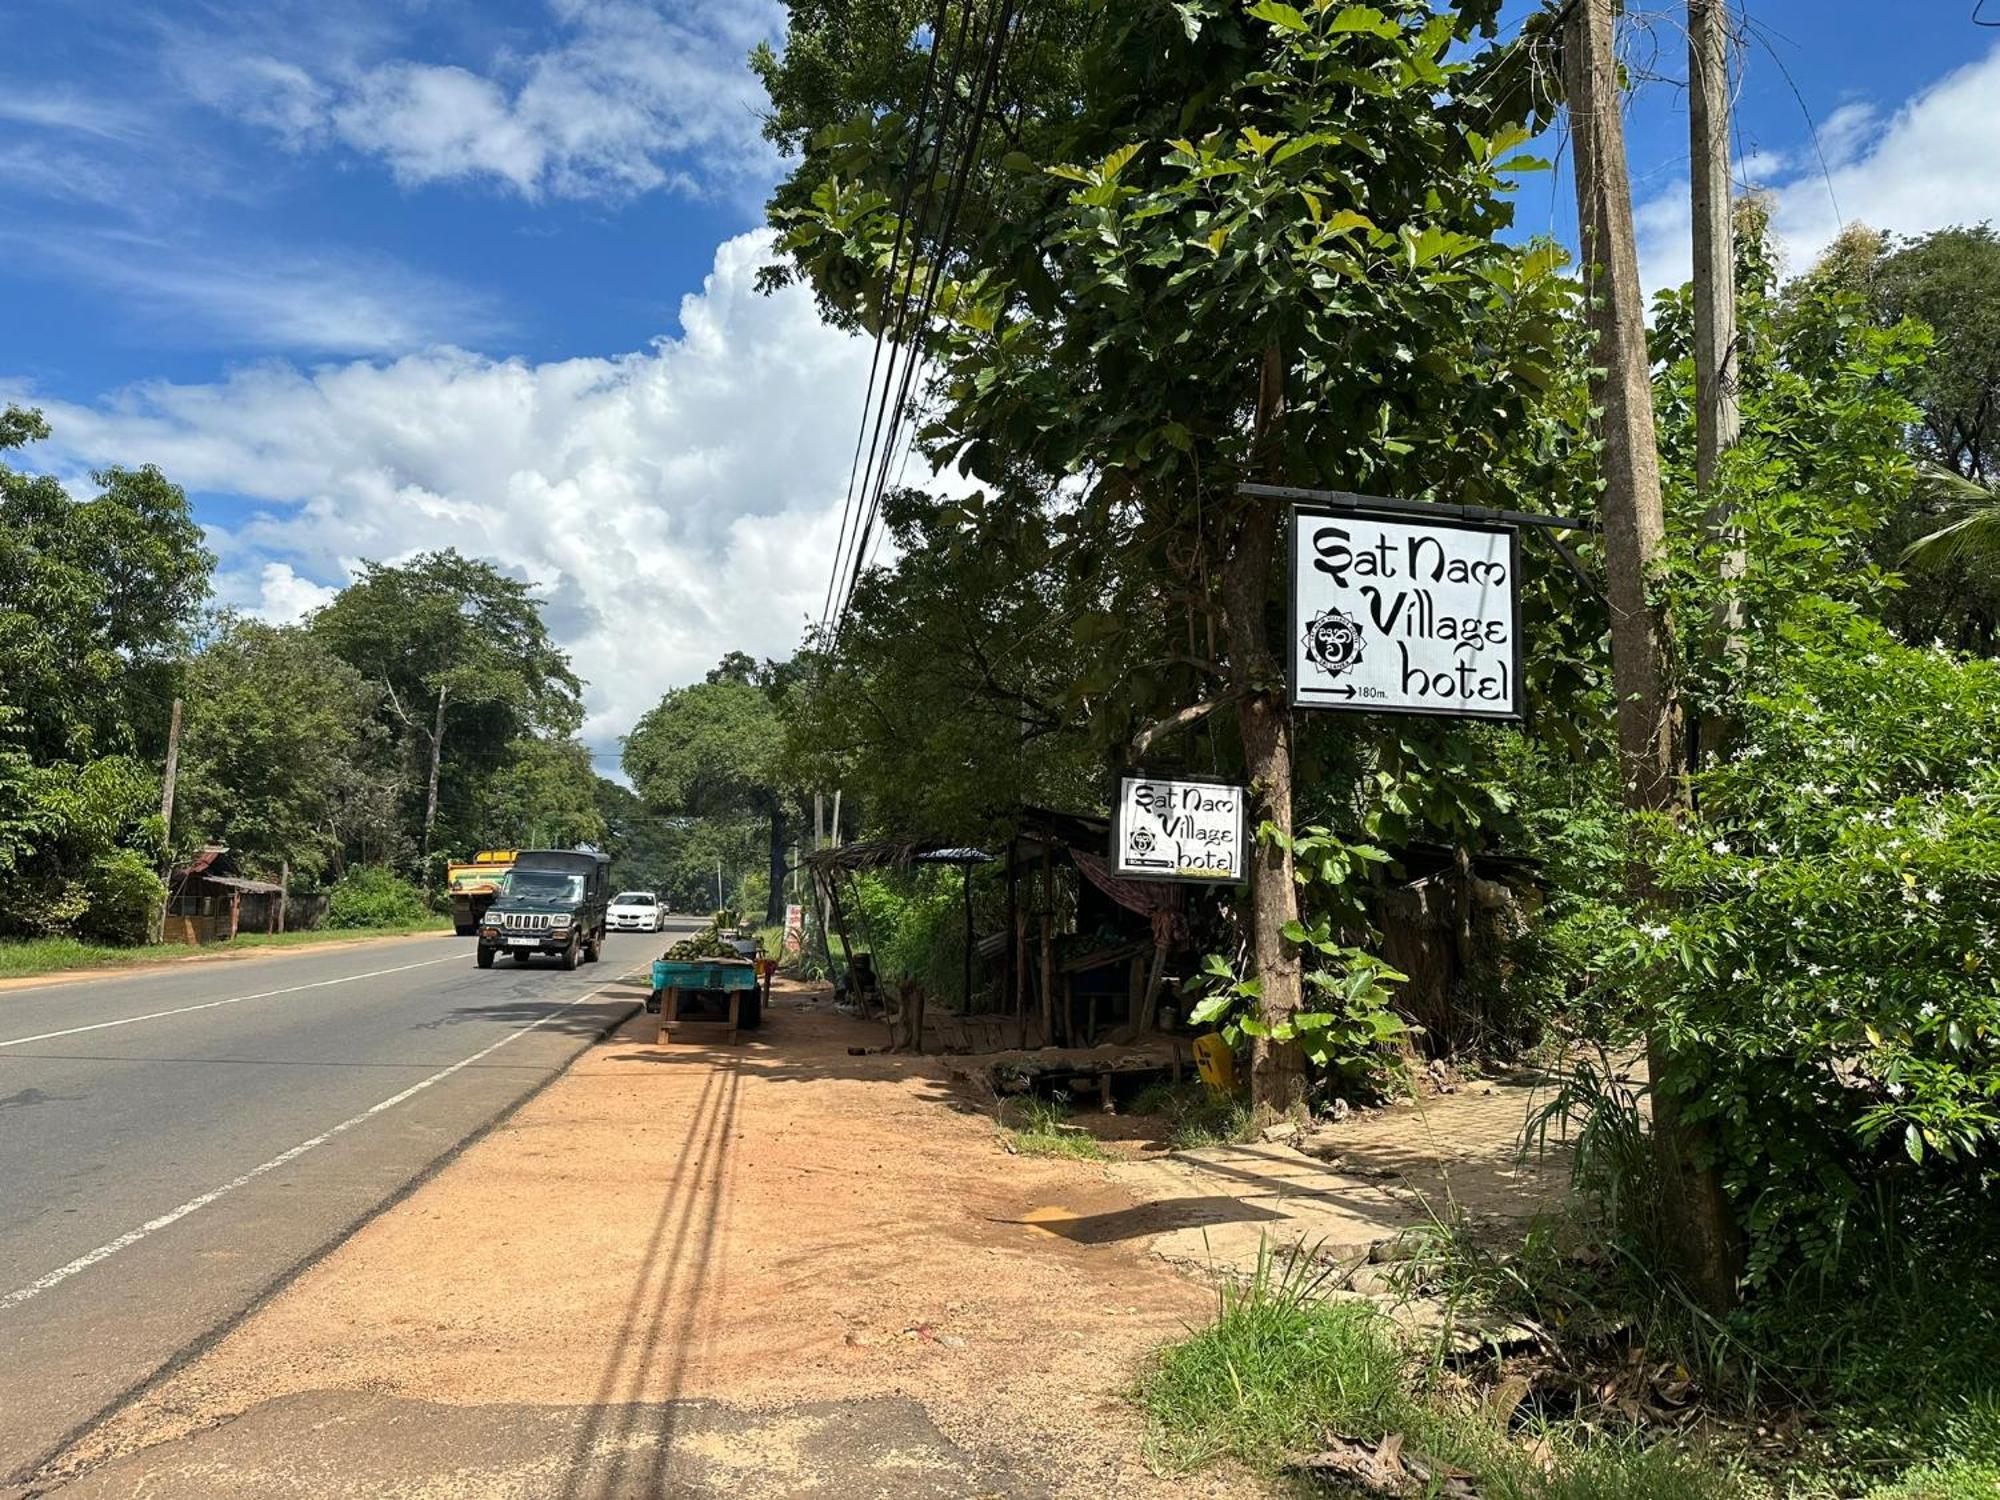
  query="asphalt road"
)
[{"x": 174, "y": 1143}]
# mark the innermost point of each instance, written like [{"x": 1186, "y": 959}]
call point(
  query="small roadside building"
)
[{"x": 210, "y": 901}]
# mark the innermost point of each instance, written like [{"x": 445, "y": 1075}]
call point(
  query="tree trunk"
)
[
  {"x": 774, "y": 901},
  {"x": 1649, "y": 717},
  {"x": 156, "y": 922},
  {"x": 1277, "y": 1068},
  {"x": 1718, "y": 421},
  {"x": 431, "y": 797}
]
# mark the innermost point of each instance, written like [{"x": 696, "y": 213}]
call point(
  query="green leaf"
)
[
  {"x": 1365, "y": 19},
  {"x": 1285, "y": 16}
]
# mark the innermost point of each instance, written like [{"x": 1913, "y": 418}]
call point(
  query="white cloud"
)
[
  {"x": 624, "y": 96},
  {"x": 1929, "y": 164},
  {"x": 673, "y": 503},
  {"x": 282, "y": 596}
]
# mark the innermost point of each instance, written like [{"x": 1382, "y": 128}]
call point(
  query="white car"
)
[{"x": 636, "y": 911}]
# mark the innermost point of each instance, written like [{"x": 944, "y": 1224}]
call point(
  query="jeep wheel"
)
[
  {"x": 485, "y": 959},
  {"x": 594, "y": 949},
  {"x": 569, "y": 954}
]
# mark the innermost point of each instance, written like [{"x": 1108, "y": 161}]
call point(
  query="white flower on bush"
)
[
  {"x": 1720, "y": 846},
  {"x": 1927, "y": 1010},
  {"x": 1655, "y": 931},
  {"x": 1934, "y": 896},
  {"x": 1895, "y": 1091},
  {"x": 1815, "y": 970}
]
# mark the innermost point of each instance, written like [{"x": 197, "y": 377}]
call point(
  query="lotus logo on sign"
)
[
  {"x": 1412, "y": 616},
  {"x": 1178, "y": 830}
]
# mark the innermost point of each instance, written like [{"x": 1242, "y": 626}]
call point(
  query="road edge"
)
[
  {"x": 53, "y": 977},
  {"x": 41, "y": 1475}
]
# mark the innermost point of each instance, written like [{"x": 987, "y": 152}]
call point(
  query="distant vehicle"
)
[
  {"x": 476, "y": 885},
  {"x": 555, "y": 902},
  {"x": 636, "y": 911}
]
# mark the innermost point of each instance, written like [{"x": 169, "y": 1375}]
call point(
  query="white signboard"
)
[
  {"x": 1405, "y": 616},
  {"x": 1178, "y": 830}
]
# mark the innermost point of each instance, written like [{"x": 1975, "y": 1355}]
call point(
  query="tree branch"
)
[{"x": 1193, "y": 714}]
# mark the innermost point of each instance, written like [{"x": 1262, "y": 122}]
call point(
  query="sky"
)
[{"x": 372, "y": 277}]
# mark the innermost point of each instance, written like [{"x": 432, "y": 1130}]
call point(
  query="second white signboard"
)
[
  {"x": 1408, "y": 616},
  {"x": 1178, "y": 830}
]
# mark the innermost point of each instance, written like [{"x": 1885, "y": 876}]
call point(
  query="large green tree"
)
[
  {"x": 715, "y": 750},
  {"x": 281, "y": 748},
  {"x": 1214, "y": 243},
  {"x": 466, "y": 667},
  {"x": 543, "y": 796},
  {"x": 98, "y": 599}
]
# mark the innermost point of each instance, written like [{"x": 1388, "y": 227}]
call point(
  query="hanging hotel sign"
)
[
  {"x": 1405, "y": 615},
  {"x": 1179, "y": 830}
]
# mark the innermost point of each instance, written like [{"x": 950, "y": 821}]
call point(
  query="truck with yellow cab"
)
[{"x": 476, "y": 885}]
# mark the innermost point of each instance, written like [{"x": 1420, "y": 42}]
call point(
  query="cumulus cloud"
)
[
  {"x": 282, "y": 597},
  {"x": 622, "y": 97},
  {"x": 1927, "y": 164},
  {"x": 672, "y": 504}
]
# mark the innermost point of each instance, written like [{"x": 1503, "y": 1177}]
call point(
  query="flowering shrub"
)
[{"x": 1824, "y": 959}]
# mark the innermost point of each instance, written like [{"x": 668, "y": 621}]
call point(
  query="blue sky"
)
[{"x": 370, "y": 276}]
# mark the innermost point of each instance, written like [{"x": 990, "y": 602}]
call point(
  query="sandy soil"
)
[{"x": 765, "y": 1225}]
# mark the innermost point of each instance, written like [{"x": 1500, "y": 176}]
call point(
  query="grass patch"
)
[
  {"x": 1283, "y": 1374},
  {"x": 1195, "y": 1114},
  {"x": 1035, "y": 1126},
  {"x": 58, "y": 955},
  {"x": 1274, "y": 1373}
]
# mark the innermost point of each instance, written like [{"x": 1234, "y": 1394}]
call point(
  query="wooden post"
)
[
  {"x": 1014, "y": 993},
  {"x": 965, "y": 986},
  {"x": 284, "y": 891},
  {"x": 167, "y": 782},
  {"x": 1649, "y": 716},
  {"x": 1048, "y": 947},
  {"x": 431, "y": 798}
]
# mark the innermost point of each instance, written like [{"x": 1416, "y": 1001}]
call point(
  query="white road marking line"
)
[
  {"x": 158, "y": 1015},
  {"x": 132, "y": 1237}
]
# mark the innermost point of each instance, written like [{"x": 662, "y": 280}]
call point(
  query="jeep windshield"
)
[{"x": 544, "y": 885}]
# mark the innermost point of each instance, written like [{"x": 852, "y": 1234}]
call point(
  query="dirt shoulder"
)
[
  {"x": 771, "y": 1269},
  {"x": 214, "y": 954}
]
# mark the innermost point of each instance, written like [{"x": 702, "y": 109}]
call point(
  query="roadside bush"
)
[
  {"x": 371, "y": 896},
  {"x": 1824, "y": 958},
  {"x": 123, "y": 894}
]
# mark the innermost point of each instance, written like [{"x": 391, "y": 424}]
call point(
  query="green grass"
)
[
  {"x": 1956, "y": 1481},
  {"x": 55, "y": 955},
  {"x": 1039, "y": 1127},
  {"x": 1283, "y": 1372},
  {"x": 1195, "y": 1114}
]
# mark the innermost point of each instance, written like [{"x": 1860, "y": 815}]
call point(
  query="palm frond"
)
[{"x": 1972, "y": 533}]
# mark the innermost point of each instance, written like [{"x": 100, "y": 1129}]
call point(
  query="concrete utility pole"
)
[
  {"x": 167, "y": 781},
  {"x": 1649, "y": 715},
  {"x": 1717, "y": 420}
]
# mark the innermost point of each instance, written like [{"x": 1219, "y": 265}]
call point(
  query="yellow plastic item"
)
[{"x": 1216, "y": 1063}]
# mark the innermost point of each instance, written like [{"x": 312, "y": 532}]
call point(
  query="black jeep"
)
[{"x": 554, "y": 902}]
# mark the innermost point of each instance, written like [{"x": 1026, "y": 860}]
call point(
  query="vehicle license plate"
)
[{"x": 522, "y": 942}]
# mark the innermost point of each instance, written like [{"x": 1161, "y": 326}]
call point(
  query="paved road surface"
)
[{"x": 174, "y": 1142}]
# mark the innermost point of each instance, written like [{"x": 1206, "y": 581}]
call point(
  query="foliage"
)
[
  {"x": 543, "y": 796},
  {"x": 1044, "y": 1130},
  {"x": 78, "y": 823},
  {"x": 123, "y": 892},
  {"x": 372, "y": 896},
  {"x": 1949, "y": 279},
  {"x": 97, "y": 598},
  {"x": 1828, "y": 951},
  {"x": 715, "y": 750},
  {"x": 280, "y": 748},
  {"x": 451, "y": 632},
  {"x": 1196, "y": 205}
]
